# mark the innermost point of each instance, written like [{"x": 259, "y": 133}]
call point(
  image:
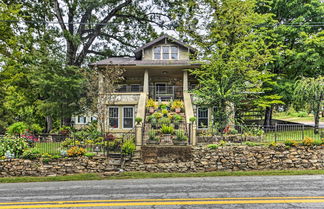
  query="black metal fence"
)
[{"x": 260, "y": 133}]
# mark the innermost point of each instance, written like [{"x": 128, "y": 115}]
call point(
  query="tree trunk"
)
[
  {"x": 268, "y": 116},
  {"x": 49, "y": 124},
  {"x": 316, "y": 119}
]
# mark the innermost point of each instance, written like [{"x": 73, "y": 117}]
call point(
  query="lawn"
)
[
  {"x": 295, "y": 117},
  {"x": 52, "y": 148}
]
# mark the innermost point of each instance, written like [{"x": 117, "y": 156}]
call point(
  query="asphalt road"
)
[{"x": 176, "y": 193}]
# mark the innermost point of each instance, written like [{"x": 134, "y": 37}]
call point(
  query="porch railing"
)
[
  {"x": 164, "y": 93},
  {"x": 129, "y": 88}
]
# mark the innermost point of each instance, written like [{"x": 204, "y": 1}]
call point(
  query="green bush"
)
[
  {"x": 90, "y": 154},
  {"x": 290, "y": 143},
  {"x": 152, "y": 135},
  {"x": 67, "y": 142},
  {"x": 14, "y": 146},
  {"x": 317, "y": 142},
  {"x": 157, "y": 115},
  {"x": 302, "y": 114},
  {"x": 251, "y": 144},
  {"x": 128, "y": 147},
  {"x": 167, "y": 129},
  {"x": 192, "y": 119},
  {"x": 35, "y": 129},
  {"x": 31, "y": 154},
  {"x": 213, "y": 146},
  {"x": 164, "y": 121},
  {"x": 17, "y": 128},
  {"x": 180, "y": 136},
  {"x": 176, "y": 117},
  {"x": 138, "y": 120}
]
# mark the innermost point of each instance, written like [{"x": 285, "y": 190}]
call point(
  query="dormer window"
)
[{"x": 166, "y": 53}]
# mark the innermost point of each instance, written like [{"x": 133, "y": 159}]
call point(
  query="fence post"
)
[
  {"x": 276, "y": 129},
  {"x": 303, "y": 134},
  {"x": 138, "y": 136},
  {"x": 193, "y": 134}
]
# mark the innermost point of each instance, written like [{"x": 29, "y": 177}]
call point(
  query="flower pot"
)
[
  {"x": 151, "y": 110},
  {"x": 177, "y": 110},
  {"x": 153, "y": 142},
  {"x": 166, "y": 139},
  {"x": 181, "y": 143}
]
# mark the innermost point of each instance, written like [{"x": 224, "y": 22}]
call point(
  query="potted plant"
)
[
  {"x": 177, "y": 105},
  {"x": 164, "y": 121},
  {"x": 151, "y": 105},
  {"x": 138, "y": 120},
  {"x": 192, "y": 119},
  {"x": 153, "y": 123},
  {"x": 167, "y": 131},
  {"x": 181, "y": 138},
  {"x": 165, "y": 112},
  {"x": 153, "y": 139}
]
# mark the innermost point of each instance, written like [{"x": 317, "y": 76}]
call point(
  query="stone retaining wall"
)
[{"x": 177, "y": 159}]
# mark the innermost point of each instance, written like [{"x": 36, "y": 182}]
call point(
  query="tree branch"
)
[
  {"x": 58, "y": 15},
  {"x": 97, "y": 30},
  {"x": 139, "y": 19},
  {"x": 117, "y": 39}
]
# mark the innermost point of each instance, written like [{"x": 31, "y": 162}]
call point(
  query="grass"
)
[
  {"x": 294, "y": 135},
  {"x": 294, "y": 117},
  {"x": 52, "y": 148},
  {"x": 145, "y": 175}
]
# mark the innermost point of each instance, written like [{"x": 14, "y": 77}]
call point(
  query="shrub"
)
[
  {"x": 308, "y": 141},
  {"x": 301, "y": 114},
  {"x": 90, "y": 154},
  {"x": 180, "y": 136},
  {"x": 213, "y": 146},
  {"x": 152, "y": 135},
  {"x": 177, "y": 104},
  {"x": 164, "y": 121},
  {"x": 14, "y": 146},
  {"x": 75, "y": 151},
  {"x": 167, "y": 129},
  {"x": 177, "y": 117},
  {"x": 67, "y": 142},
  {"x": 165, "y": 112},
  {"x": 36, "y": 129},
  {"x": 163, "y": 106},
  {"x": 317, "y": 142},
  {"x": 128, "y": 147},
  {"x": 17, "y": 128},
  {"x": 151, "y": 103},
  {"x": 31, "y": 154},
  {"x": 251, "y": 144},
  {"x": 290, "y": 143},
  {"x": 233, "y": 131}
]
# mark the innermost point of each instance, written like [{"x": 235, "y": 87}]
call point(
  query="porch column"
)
[
  {"x": 185, "y": 80},
  {"x": 146, "y": 82}
]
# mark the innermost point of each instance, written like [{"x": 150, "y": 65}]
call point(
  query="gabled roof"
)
[{"x": 160, "y": 39}]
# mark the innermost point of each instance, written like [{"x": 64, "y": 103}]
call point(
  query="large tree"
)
[{"x": 237, "y": 44}]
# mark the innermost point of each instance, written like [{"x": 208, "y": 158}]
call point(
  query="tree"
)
[
  {"x": 297, "y": 21},
  {"x": 311, "y": 91},
  {"x": 236, "y": 43}
]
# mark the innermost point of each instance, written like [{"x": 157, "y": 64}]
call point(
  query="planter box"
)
[
  {"x": 152, "y": 142},
  {"x": 166, "y": 139},
  {"x": 181, "y": 143}
]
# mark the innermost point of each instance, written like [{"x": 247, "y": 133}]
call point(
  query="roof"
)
[
  {"x": 160, "y": 39},
  {"x": 131, "y": 61}
]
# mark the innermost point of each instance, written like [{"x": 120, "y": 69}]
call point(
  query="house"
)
[{"x": 158, "y": 70}]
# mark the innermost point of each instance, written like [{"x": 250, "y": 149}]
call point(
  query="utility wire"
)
[{"x": 302, "y": 24}]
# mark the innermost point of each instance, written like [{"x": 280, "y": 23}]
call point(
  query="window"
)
[
  {"x": 113, "y": 117},
  {"x": 93, "y": 118},
  {"x": 174, "y": 53},
  {"x": 166, "y": 53},
  {"x": 128, "y": 117},
  {"x": 202, "y": 113},
  {"x": 82, "y": 120},
  {"x": 157, "y": 53}
]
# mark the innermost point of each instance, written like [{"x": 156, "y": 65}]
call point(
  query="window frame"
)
[
  {"x": 169, "y": 52},
  {"x": 79, "y": 119},
  {"x": 118, "y": 117},
  {"x": 123, "y": 116},
  {"x": 198, "y": 125}
]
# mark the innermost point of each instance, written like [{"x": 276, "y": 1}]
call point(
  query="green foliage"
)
[
  {"x": 90, "y": 154},
  {"x": 138, "y": 120},
  {"x": 192, "y": 119},
  {"x": 165, "y": 112},
  {"x": 128, "y": 147},
  {"x": 163, "y": 106},
  {"x": 180, "y": 136},
  {"x": 291, "y": 143},
  {"x": 151, "y": 103},
  {"x": 253, "y": 131},
  {"x": 213, "y": 146},
  {"x": 75, "y": 151},
  {"x": 32, "y": 153},
  {"x": 35, "y": 128},
  {"x": 17, "y": 128},
  {"x": 167, "y": 129},
  {"x": 157, "y": 115},
  {"x": 152, "y": 135},
  {"x": 15, "y": 146},
  {"x": 251, "y": 144},
  {"x": 177, "y": 117},
  {"x": 307, "y": 141},
  {"x": 177, "y": 104},
  {"x": 164, "y": 121},
  {"x": 318, "y": 142}
]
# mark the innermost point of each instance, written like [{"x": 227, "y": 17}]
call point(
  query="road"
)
[{"x": 256, "y": 192}]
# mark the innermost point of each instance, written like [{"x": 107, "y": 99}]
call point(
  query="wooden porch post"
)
[
  {"x": 185, "y": 80},
  {"x": 146, "y": 82}
]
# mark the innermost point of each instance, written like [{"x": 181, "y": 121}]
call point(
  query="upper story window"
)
[{"x": 166, "y": 53}]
